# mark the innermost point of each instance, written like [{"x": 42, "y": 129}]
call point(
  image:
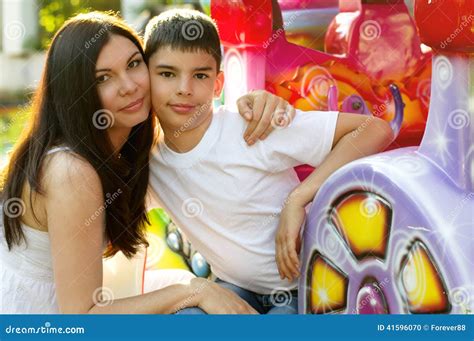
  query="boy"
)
[{"x": 228, "y": 197}]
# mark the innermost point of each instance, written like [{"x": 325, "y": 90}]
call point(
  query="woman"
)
[{"x": 75, "y": 187}]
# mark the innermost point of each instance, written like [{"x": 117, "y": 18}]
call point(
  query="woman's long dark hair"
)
[{"x": 62, "y": 114}]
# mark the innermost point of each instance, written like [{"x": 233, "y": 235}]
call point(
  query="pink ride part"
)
[{"x": 369, "y": 45}]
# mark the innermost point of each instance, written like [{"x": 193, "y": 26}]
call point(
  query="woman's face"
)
[{"x": 123, "y": 83}]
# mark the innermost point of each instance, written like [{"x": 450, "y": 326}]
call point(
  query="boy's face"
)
[{"x": 183, "y": 85}]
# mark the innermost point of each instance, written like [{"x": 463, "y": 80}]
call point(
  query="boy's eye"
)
[
  {"x": 201, "y": 76},
  {"x": 166, "y": 74},
  {"x": 102, "y": 78},
  {"x": 134, "y": 63}
]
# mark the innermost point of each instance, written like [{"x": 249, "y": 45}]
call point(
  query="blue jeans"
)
[{"x": 280, "y": 303}]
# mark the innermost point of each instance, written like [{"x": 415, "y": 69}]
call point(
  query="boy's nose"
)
[{"x": 184, "y": 88}]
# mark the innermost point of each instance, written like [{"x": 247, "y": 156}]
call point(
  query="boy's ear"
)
[{"x": 219, "y": 84}]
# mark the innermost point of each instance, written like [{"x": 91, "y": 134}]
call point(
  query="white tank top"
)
[{"x": 26, "y": 271}]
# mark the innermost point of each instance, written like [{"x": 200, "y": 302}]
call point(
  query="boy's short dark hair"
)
[{"x": 183, "y": 29}]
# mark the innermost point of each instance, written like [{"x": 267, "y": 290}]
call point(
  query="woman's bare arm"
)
[{"x": 76, "y": 220}]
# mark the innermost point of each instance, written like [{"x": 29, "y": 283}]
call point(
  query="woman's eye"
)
[
  {"x": 166, "y": 74},
  {"x": 134, "y": 63},
  {"x": 102, "y": 79},
  {"x": 201, "y": 76}
]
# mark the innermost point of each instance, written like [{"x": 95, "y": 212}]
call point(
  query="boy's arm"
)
[
  {"x": 263, "y": 111},
  {"x": 355, "y": 136}
]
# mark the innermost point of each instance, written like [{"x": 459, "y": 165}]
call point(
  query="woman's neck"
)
[{"x": 118, "y": 137}]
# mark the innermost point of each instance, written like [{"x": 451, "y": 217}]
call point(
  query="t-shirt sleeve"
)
[{"x": 306, "y": 140}]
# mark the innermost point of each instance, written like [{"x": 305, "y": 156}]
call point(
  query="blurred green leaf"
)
[{"x": 53, "y": 13}]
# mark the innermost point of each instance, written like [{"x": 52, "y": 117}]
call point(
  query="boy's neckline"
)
[
  {"x": 193, "y": 140},
  {"x": 187, "y": 159}
]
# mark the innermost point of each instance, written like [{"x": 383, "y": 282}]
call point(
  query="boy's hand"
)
[
  {"x": 288, "y": 241},
  {"x": 264, "y": 111},
  {"x": 214, "y": 299}
]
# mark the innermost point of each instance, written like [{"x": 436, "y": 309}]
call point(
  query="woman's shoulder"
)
[{"x": 66, "y": 169}]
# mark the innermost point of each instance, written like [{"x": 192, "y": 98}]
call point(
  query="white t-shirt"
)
[{"x": 227, "y": 196}]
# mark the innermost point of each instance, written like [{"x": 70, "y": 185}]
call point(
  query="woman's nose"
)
[{"x": 127, "y": 86}]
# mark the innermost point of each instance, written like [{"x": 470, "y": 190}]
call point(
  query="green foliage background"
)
[{"x": 53, "y": 13}]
